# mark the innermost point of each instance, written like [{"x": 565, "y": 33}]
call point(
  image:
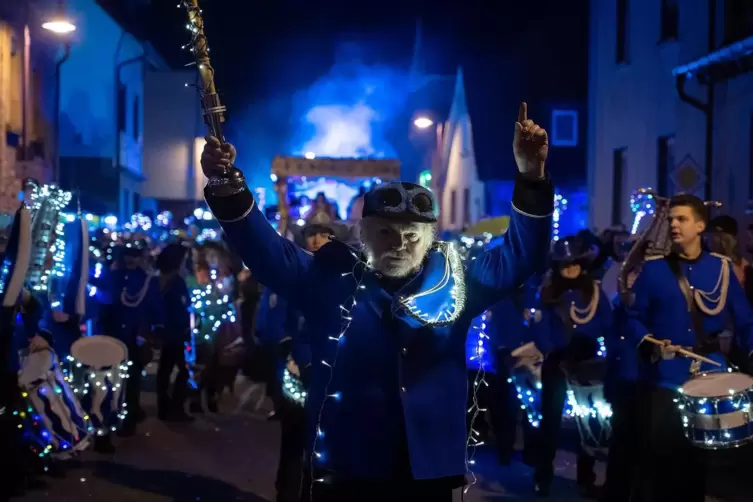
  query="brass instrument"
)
[
  {"x": 47, "y": 239},
  {"x": 231, "y": 181}
]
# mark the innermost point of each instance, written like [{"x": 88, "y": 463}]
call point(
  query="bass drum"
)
[{"x": 52, "y": 415}]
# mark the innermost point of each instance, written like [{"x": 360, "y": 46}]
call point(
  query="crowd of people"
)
[{"x": 362, "y": 345}]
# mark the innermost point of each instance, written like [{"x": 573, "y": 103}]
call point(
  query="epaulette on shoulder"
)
[
  {"x": 655, "y": 257},
  {"x": 721, "y": 256}
]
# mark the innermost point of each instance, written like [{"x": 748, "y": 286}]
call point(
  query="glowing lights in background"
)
[
  {"x": 211, "y": 307},
  {"x": 139, "y": 223},
  {"x": 165, "y": 219},
  {"x": 642, "y": 203},
  {"x": 560, "y": 206},
  {"x": 529, "y": 395},
  {"x": 424, "y": 179}
]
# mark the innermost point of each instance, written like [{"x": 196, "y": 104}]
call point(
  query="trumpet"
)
[{"x": 231, "y": 181}]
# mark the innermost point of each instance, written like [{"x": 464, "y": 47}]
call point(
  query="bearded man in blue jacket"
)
[{"x": 386, "y": 407}]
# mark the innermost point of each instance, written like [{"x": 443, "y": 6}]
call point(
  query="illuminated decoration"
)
[
  {"x": 318, "y": 452},
  {"x": 473, "y": 441},
  {"x": 97, "y": 388},
  {"x": 441, "y": 299},
  {"x": 165, "y": 219},
  {"x": 292, "y": 388},
  {"x": 424, "y": 179},
  {"x": 529, "y": 395},
  {"x": 211, "y": 307},
  {"x": 560, "y": 206},
  {"x": 139, "y": 223},
  {"x": 642, "y": 203},
  {"x": 48, "y": 239},
  {"x": 476, "y": 350},
  {"x": 592, "y": 414}
]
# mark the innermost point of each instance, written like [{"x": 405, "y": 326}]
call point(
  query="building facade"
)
[
  {"x": 102, "y": 110},
  {"x": 174, "y": 133},
  {"x": 654, "y": 120},
  {"x": 27, "y": 71}
]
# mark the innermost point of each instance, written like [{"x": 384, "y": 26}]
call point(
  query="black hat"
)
[
  {"x": 401, "y": 201},
  {"x": 573, "y": 249},
  {"x": 725, "y": 224},
  {"x": 171, "y": 257}
]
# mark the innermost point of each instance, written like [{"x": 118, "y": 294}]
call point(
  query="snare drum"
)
[
  {"x": 586, "y": 404},
  {"x": 55, "y": 420},
  {"x": 99, "y": 372},
  {"x": 715, "y": 410}
]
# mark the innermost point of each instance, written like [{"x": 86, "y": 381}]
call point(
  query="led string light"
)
[
  {"x": 346, "y": 319},
  {"x": 473, "y": 441},
  {"x": 82, "y": 381},
  {"x": 195, "y": 26},
  {"x": 560, "y": 206},
  {"x": 47, "y": 203},
  {"x": 292, "y": 388}
]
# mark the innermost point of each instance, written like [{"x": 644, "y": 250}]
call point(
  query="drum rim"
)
[
  {"x": 746, "y": 390},
  {"x": 98, "y": 338}
]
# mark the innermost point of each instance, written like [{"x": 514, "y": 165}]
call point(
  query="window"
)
[
  {"x": 564, "y": 128},
  {"x": 121, "y": 111},
  {"x": 136, "y": 118},
  {"x": 669, "y": 20},
  {"x": 453, "y": 206},
  {"x": 738, "y": 20},
  {"x": 621, "y": 32},
  {"x": 466, "y": 207},
  {"x": 619, "y": 168},
  {"x": 665, "y": 162}
]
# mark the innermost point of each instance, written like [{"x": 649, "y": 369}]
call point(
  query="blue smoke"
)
[{"x": 346, "y": 113}]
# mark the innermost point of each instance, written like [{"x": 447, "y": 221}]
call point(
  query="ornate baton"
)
[{"x": 231, "y": 181}]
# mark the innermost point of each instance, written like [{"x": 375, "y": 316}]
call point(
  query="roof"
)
[
  {"x": 727, "y": 62},
  {"x": 131, "y": 16}
]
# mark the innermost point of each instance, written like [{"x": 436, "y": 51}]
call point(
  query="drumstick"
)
[{"x": 684, "y": 352}]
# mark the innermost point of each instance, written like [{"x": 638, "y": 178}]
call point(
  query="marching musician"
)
[
  {"x": 683, "y": 300},
  {"x": 387, "y": 401},
  {"x": 136, "y": 305},
  {"x": 576, "y": 319},
  {"x": 171, "y": 264}
]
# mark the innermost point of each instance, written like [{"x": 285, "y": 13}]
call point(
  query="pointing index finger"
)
[{"x": 523, "y": 112}]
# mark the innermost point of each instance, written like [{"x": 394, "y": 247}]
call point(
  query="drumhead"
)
[
  {"x": 717, "y": 384},
  {"x": 36, "y": 366},
  {"x": 99, "y": 351}
]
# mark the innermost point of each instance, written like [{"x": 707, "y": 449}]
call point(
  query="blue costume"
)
[
  {"x": 661, "y": 310},
  {"x": 576, "y": 318},
  {"x": 674, "y": 468},
  {"x": 392, "y": 404}
]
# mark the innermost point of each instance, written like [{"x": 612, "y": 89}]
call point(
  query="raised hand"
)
[
  {"x": 530, "y": 145},
  {"x": 216, "y": 159}
]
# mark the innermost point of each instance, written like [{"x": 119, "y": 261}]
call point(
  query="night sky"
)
[{"x": 265, "y": 50}]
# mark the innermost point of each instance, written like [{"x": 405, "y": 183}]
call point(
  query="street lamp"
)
[
  {"x": 59, "y": 26},
  {"x": 423, "y": 122}
]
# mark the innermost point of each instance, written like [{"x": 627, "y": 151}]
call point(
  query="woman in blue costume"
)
[{"x": 576, "y": 318}]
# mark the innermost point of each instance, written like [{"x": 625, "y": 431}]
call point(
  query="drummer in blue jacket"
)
[
  {"x": 387, "y": 400},
  {"x": 136, "y": 308},
  {"x": 671, "y": 468},
  {"x": 576, "y": 319}
]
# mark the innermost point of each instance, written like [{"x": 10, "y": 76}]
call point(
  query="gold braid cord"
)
[
  {"x": 717, "y": 297},
  {"x": 584, "y": 316}
]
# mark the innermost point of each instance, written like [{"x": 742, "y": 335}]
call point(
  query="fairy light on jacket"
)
[
  {"x": 346, "y": 318},
  {"x": 473, "y": 441}
]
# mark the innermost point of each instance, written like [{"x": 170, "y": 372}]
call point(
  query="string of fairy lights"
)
[
  {"x": 642, "y": 204},
  {"x": 48, "y": 237},
  {"x": 473, "y": 440}
]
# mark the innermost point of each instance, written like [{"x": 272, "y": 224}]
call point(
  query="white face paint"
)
[{"x": 395, "y": 249}]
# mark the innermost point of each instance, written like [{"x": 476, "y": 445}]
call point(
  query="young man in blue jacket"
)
[
  {"x": 387, "y": 401},
  {"x": 686, "y": 300}
]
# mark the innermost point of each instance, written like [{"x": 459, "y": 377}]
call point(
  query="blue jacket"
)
[
  {"x": 385, "y": 377},
  {"x": 177, "y": 306},
  {"x": 276, "y": 319},
  {"x": 551, "y": 333},
  {"x": 622, "y": 358},
  {"x": 660, "y": 309},
  {"x": 135, "y": 304}
]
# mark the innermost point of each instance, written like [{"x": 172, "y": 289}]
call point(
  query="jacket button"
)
[
  {"x": 405, "y": 351},
  {"x": 122, "y": 326},
  {"x": 403, "y": 389}
]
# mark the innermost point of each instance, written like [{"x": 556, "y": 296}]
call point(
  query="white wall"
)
[
  {"x": 172, "y": 124},
  {"x": 462, "y": 174},
  {"x": 632, "y": 105}
]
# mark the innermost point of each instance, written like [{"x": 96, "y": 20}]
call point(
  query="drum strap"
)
[{"x": 695, "y": 314}]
